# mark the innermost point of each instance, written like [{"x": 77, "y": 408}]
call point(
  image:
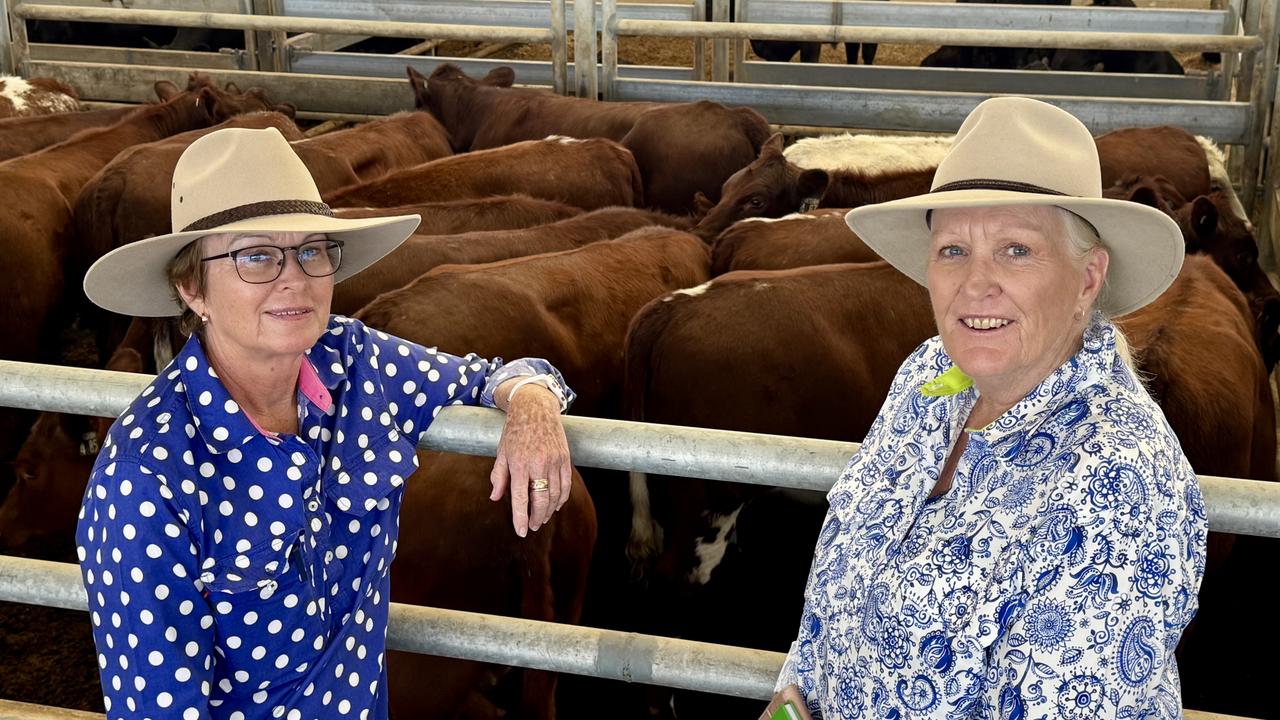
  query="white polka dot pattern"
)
[{"x": 237, "y": 574}]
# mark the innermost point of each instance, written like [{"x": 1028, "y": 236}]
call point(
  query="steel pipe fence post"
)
[
  {"x": 609, "y": 46},
  {"x": 720, "y": 46},
  {"x": 6, "y": 42},
  {"x": 1260, "y": 98},
  {"x": 1248, "y": 507},
  {"x": 585, "y": 81},
  {"x": 19, "y": 50},
  {"x": 559, "y": 49},
  {"x": 699, "y": 43}
]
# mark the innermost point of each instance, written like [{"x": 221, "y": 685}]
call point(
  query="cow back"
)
[
  {"x": 504, "y": 212},
  {"x": 589, "y": 174},
  {"x": 817, "y": 238},
  {"x": 571, "y": 308},
  {"x": 422, "y": 253}
]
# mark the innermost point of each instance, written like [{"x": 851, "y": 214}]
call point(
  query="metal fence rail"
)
[
  {"x": 1247, "y": 507},
  {"x": 607, "y": 654}
]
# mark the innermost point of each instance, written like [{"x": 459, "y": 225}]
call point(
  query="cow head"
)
[
  {"x": 221, "y": 104},
  {"x": 39, "y": 513},
  {"x": 1210, "y": 227},
  {"x": 446, "y": 94},
  {"x": 769, "y": 187}
]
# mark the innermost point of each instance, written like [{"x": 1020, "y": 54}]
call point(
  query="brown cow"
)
[
  {"x": 36, "y": 96},
  {"x": 681, "y": 149},
  {"x": 373, "y": 149},
  {"x": 36, "y": 220},
  {"x": 502, "y": 212},
  {"x": 570, "y": 307},
  {"x": 772, "y": 186},
  {"x": 422, "y": 253},
  {"x": 820, "y": 237},
  {"x": 22, "y": 135},
  {"x": 1163, "y": 150},
  {"x": 589, "y": 174},
  {"x": 457, "y": 551}
]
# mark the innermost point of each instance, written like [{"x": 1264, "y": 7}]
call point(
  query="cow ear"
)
[
  {"x": 419, "y": 85},
  {"x": 166, "y": 90},
  {"x": 125, "y": 360},
  {"x": 287, "y": 109},
  {"x": 1146, "y": 195},
  {"x": 701, "y": 205},
  {"x": 1204, "y": 217},
  {"x": 773, "y": 145},
  {"x": 812, "y": 184},
  {"x": 231, "y": 87},
  {"x": 500, "y": 77}
]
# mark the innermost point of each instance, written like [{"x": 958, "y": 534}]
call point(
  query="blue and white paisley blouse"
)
[
  {"x": 236, "y": 573},
  {"x": 1052, "y": 580}
]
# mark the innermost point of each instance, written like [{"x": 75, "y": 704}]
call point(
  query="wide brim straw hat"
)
[
  {"x": 235, "y": 181},
  {"x": 1019, "y": 151}
]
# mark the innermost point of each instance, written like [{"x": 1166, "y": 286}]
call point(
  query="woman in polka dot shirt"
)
[{"x": 239, "y": 523}]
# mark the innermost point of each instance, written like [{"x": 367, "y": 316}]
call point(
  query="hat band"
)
[
  {"x": 992, "y": 184},
  {"x": 259, "y": 209}
]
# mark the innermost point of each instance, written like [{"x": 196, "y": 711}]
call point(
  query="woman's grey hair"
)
[{"x": 1082, "y": 237}]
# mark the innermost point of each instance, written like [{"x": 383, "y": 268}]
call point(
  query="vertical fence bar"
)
[
  {"x": 559, "y": 49},
  {"x": 19, "y": 50},
  {"x": 6, "y": 43},
  {"x": 609, "y": 46},
  {"x": 1269, "y": 216},
  {"x": 720, "y": 48},
  {"x": 699, "y": 44},
  {"x": 1261, "y": 96},
  {"x": 584, "y": 49}
]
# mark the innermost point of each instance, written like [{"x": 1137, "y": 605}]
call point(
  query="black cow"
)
[
  {"x": 1118, "y": 61},
  {"x": 810, "y": 52}
]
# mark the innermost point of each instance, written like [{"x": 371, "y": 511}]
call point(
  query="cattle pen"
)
[
  {"x": 1246, "y": 507},
  {"x": 1233, "y": 105},
  {"x": 297, "y": 50}
]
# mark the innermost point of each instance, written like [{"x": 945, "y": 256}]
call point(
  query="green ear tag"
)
[{"x": 950, "y": 382}]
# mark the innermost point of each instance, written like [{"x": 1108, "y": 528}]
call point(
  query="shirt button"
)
[{"x": 313, "y": 506}]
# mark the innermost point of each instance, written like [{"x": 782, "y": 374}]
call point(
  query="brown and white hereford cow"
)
[
  {"x": 820, "y": 237},
  {"x": 771, "y": 186},
  {"x": 589, "y": 174},
  {"x": 681, "y": 149},
  {"x": 501, "y": 212},
  {"x": 37, "y": 96},
  {"x": 422, "y": 253}
]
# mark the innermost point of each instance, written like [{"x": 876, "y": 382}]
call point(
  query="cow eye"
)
[{"x": 757, "y": 202}]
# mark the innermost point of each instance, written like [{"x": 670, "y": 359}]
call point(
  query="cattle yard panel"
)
[
  {"x": 608, "y": 654},
  {"x": 1246, "y": 507},
  {"x": 517, "y": 13},
  {"x": 1030, "y": 17}
]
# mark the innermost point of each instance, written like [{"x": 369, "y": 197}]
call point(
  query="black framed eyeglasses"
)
[{"x": 264, "y": 263}]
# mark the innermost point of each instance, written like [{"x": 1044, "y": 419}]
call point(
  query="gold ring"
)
[{"x": 540, "y": 485}]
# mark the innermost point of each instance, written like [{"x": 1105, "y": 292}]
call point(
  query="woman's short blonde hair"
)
[
  {"x": 186, "y": 270},
  {"x": 1082, "y": 237}
]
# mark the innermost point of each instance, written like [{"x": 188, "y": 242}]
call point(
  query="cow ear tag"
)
[{"x": 950, "y": 382}]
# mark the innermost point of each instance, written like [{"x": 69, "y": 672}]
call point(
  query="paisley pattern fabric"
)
[{"x": 1052, "y": 580}]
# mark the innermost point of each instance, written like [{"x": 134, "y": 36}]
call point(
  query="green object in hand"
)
[{"x": 785, "y": 711}]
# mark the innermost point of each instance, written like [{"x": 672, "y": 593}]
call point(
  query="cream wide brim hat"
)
[
  {"x": 235, "y": 181},
  {"x": 1019, "y": 151}
]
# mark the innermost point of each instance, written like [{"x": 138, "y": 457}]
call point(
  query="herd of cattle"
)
[{"x": 680, "y": 266}]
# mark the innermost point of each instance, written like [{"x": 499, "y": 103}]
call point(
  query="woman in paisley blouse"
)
[
  {"x": 1020, "y": 534},
  {"x": 238, "y": 528}
]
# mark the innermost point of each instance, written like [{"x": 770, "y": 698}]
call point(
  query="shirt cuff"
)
[{"x": 526, "y": 367}]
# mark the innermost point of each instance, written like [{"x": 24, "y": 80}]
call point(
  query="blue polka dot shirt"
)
[{"x": 236, "y": 573}]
